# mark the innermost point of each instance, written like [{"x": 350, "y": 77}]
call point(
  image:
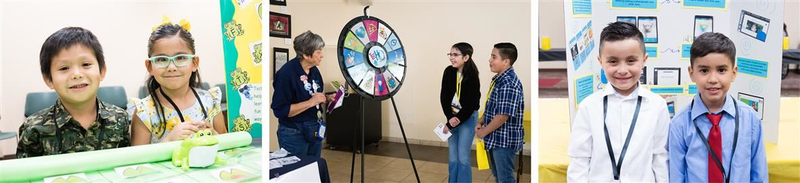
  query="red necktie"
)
[{"x": 715, "y": 141}]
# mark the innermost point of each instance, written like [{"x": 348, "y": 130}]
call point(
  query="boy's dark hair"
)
[
  {"x": 618, "y": 31},
  {"x": 469, "y": 66},
  {"x": 507, "y": 50},
  {"x": 65, "y": 38},
  {"x": 712, "y": 42},
  {"x": 162, "y": 32}
]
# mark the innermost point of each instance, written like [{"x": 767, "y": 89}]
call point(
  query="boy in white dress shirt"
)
[{"x": 619, "y": 134}]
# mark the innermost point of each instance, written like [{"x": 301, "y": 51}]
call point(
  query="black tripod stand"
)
[{"x": 353, "y": 163}]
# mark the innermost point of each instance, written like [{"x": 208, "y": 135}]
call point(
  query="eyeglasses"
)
[
  {"x": 181, "y": 60},
  {"x": 453, "y": 55}
]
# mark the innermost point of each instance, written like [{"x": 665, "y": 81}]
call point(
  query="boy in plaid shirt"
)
[{"x": 501, "y": 124}]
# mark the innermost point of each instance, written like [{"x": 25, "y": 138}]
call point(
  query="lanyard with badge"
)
[
  {"x": 97, "y": 118},
  {"x": 489, "y": 95},
  {"x": 455, "y": 105},
  {"x": 617, "y": 166},
  {"x": 205, "y": 115},
  {"x": 311, "y": 88},
  {"x": 705, "y": 141}
]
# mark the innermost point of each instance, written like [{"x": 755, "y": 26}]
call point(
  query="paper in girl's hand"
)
[{"x": 438, "y": 131}]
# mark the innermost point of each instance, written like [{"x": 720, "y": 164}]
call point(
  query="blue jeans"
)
[
  {"x": 501, "y": 161},
  {"x": 460, "y": 144},
  {"x": 293, "y": 140}
]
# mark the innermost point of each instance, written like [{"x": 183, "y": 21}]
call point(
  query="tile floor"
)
[{"x": 388, "y": 162}]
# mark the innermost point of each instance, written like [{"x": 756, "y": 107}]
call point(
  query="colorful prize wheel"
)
[{"x": 371, "y": 57}]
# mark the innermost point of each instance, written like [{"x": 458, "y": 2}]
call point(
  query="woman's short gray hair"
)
[{"x": 307, "y": 42}]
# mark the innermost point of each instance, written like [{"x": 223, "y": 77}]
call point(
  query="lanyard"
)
[
  {"x": 615, "y": 166},
  {"x": 458, "y": 85},
  {"x": 97, "y": 118},
  {"x": 705, "y": 141},
  {"x": 488, "y": 95},
  {"x": 178, "y": 109}
]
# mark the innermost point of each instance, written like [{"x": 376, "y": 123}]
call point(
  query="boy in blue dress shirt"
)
[{"x": 716, "y": 138}]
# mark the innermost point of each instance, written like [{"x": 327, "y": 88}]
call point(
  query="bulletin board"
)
[
  {"x": 669, "y": 27},
  {"x": 241, "y": 42}
]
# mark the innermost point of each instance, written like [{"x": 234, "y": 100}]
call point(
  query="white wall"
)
[
  {"x": 2, "y": 143},
  {"x": 551, "y": 22},
  {"x": 427, "y": 30},
  {"x": 791, "y": 16},
  {"x": 123, "y": 29}
]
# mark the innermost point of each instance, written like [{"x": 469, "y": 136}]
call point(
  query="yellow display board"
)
[{"x": 241, "y": 42}]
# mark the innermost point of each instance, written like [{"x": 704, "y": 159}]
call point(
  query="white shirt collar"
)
[{"x": 609, "y": 90}]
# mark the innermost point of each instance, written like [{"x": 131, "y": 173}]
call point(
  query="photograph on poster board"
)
[
  {"x": 666, "y": 76},
  {"x": 629, "y": 19},
  {"x": 643, "y": 77},
  {"x": 753, "y": 25},
  {"x": 279, "y": 57},
  {"x": 703, "y": 24},
  {"x": 670, "y": 99},
  {"x": 648, "y": 25},
  {"x": 581, "y": 45},
  {"x": 671, "y": 109},
  {"x": 573, "y": 50},
  {"x": 756, "y": 102}
]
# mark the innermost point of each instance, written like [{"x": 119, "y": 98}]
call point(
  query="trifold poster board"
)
[
  {"x": 241, "y": 42},
  {"x": 669, "y": 27}
]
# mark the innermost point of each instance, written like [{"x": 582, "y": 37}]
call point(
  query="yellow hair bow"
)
[{"x": 165, "y": 20}]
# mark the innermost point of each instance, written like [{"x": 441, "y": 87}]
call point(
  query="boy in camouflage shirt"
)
[{"x": 72, "y": 64}]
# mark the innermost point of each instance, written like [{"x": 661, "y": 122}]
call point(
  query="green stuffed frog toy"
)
[{"x": 198, "y": 150}]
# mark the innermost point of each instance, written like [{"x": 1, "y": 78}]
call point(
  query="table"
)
[
  {"x": 783, "y": 161},
  {"x": 244, "y": 164},
  {"x": 148, "y": 163},
  {"x": 791, "y": 56},
  {"x": 555, "y": 54},
  {"x": 308, "y": 169}
]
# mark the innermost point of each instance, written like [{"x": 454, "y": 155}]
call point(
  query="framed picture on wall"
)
[
  {"x": 279, "y": 57},
  {"x": 280, "y": 25},
  {"x": 278, "y": 2}
]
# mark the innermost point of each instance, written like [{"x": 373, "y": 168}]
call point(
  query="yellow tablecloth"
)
[{"x": 783, "y": 161}]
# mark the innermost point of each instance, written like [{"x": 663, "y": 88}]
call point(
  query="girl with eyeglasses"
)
[
  {"x": 176, "y": 107},
  {"x": 460, "y": 100}
]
